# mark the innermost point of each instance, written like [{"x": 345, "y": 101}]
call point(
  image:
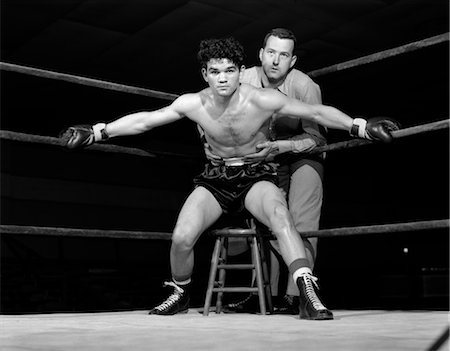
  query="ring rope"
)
[
  {"x": 380, "y": 55},
  {"x": 86, "y": 81},
  {"x": 324, "y": 233},
  {"x": 169, "y": 96},
  {"x": 41, "y": 139},
  {"x": 30, "y": 138},
  {"x": 380, "y": 229},
  {"x": 424, "y": 128},
  {"x": 76, "y": 232}
]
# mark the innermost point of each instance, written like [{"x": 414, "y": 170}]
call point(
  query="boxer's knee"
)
[{"x": 184, "y": 237}]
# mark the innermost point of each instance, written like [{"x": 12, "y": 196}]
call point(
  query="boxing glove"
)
[
  {"x": 377, "y": 128},
  {"x": 83, "y": 135}
]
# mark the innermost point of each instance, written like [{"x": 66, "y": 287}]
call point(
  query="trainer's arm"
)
[{"x": 311, "y": 136}]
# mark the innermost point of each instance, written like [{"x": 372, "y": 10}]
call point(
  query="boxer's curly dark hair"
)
[{"x": 226, "y": 48}]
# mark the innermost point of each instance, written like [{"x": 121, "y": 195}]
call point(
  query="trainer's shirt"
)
[{"x": 299, "y": 86}]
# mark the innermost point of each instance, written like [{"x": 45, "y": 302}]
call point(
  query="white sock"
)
[
  {"x": 299, "y": 272},
  {"x": 183, "y": 282}
]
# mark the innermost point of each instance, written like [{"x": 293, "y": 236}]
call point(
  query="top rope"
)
[
  {"x": 168, "y": 96},
  {"x": 86, "y": 81},
  {"x": 381, "y": 55}
]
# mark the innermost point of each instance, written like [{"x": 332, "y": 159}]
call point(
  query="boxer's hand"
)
[
  {"x": 377, "y": 128},
  {"x": 83, "y": 135}
]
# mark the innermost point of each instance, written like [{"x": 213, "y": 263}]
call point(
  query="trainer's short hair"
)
[
  {"x": 282, "y": 33},
  {"x": 225, "y": 48}
]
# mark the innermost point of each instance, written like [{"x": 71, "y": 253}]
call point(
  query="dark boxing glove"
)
[
  {"x": 83, "y": 135},
  {"x": 377, "y": 128}
]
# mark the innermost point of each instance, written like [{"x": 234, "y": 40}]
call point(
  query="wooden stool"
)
[{"x": 219, "y": 263}]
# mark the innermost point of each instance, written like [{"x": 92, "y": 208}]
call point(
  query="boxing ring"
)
[{"x": 351, "y": 330}]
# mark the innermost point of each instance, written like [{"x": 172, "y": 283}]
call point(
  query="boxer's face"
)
[{"x": 222, "y": 75}]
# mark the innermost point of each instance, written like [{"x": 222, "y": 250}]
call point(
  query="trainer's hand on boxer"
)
[
  {"x": 377, "y": 128},
  {"x": 83, "y": 135},
  {"x": 266, "y": 150},
  {"x": 269, "y": 149}
]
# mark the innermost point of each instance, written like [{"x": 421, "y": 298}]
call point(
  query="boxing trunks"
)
[{"x": 231, "y": 179}]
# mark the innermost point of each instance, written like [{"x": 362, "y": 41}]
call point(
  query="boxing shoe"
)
[
  {"x": 288, "y": 304},
  {"x": 377, "y": 128},
  {"x": 177, "y": 302},
  {"x": 310, "y": 306}
]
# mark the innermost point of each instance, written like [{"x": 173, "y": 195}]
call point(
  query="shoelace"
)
[
  {"x": 172, "y": 299},
  {"x": 310, "y": 282}
]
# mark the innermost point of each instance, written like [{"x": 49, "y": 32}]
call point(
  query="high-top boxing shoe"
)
[
  {"x": 288, "y": 304},
  {"x": 310, "y": 305},
  {"x": 177, "y": 302}
]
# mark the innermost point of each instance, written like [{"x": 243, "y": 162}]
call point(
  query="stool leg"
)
[
  {"x": 222, "y": 274},
  {"x": 265, "y": 270},
  {"x": 212, "y": 276},
  {"x": 259, "y": 280}
]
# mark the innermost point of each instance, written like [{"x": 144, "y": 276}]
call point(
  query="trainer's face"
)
[
  {"x": 222, "y": 75},
  {"x": 277, "y": 58}
]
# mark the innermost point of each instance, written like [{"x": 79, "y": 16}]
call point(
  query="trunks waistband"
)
[{"x": 232, "y": 162}]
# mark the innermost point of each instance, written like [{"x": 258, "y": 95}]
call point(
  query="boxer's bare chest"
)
[{"x": 233, "y": 126}]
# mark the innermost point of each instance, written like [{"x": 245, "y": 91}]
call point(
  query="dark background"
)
[{"x": 152, "y": 44}]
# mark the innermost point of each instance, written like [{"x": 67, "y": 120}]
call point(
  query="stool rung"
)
[
  {"x": 235, "y": 289},
  {"x": 236, "y": 266}
]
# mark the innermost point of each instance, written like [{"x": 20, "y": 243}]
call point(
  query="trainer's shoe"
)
[
  {"x": 177, "y": 302},
  {"x": 287, "y": 305},
  {"x": 310, "y": 305}
]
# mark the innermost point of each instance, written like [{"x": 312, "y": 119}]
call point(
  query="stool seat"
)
[{"x": 219, "y": 265}]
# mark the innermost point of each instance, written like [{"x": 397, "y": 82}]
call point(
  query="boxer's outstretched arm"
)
[
  {"x": 132, "y": 124},
  {"x": 140, "y": 122},
  {"x": 328, "y": 116}
]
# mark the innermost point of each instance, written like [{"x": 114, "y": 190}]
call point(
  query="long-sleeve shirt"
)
[{"x": 300, "y": 86}]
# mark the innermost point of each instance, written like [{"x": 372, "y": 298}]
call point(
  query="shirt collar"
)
[{"x": 281, "y": 88}]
